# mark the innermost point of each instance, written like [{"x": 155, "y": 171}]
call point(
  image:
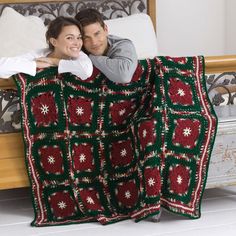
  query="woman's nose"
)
[{"x": 77, "y": 42}]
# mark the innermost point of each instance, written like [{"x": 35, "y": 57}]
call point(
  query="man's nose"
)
[{"x": 93, "y": 41}]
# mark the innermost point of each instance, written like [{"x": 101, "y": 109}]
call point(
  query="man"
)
[{"x": 113, "y": 56}]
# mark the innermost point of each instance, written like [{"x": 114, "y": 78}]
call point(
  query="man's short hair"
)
[{"x": 89, "y": 16}]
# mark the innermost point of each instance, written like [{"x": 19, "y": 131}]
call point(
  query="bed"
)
[{"x": 220, "y": 72}]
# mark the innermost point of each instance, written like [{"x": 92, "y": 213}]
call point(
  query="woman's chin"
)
[{"x": 74, "y": 55}]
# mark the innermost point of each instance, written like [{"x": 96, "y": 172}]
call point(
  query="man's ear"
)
[{"x": 106, "y": 28}]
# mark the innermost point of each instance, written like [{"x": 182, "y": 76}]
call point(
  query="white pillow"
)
[
  {"x": 20, "y": 34},
  {"x": 139, "y": 29}
]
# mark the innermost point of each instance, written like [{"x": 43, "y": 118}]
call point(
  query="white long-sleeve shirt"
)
[{"x": 81, "y": 66}]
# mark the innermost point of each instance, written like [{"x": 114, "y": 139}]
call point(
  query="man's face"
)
[{"x": 95, "y": 39}]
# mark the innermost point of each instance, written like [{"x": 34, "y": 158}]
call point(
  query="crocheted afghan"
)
[{"x": 102, "y": 151}]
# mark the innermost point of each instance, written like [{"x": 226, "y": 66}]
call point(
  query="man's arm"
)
[{"x": 120, "y": 63}]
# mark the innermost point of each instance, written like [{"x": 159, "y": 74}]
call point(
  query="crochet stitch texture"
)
[{"x": 102, "y": 151}]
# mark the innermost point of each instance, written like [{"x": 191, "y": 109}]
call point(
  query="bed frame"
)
[{"x": 223, "y": 162}]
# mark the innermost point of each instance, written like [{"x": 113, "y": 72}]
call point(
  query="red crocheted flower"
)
[
  {"x": 51, "y": 159},
  {"x": 62, "y": 205},
  {"x": 152, "y": 181},
  {"x": 179, "y": 177},
  {"x": 147, "y": 134},
  {"x": 90, "y": 198},
  {"x": 180, "y": 93},
  {"x": 44, "y": 109},
  {"x": 186, "y": 132},
  {"x": 121, "y": 153},
  {"x": 121, "y": 111},
  {"x": 80, "y": 110},
  {"x": 82, "y": 155},
  {"x": 127, "y": 193}
]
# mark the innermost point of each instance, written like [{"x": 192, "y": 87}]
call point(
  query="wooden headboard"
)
[{"x": 110, "y": 8}]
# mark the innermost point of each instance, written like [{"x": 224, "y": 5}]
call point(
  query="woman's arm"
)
[
  {"x": 81, "y": 66},
  {"x": 27, "y": 63},
  {"x": 12, "y": 66},
  {"x": 21, "y": 64}
]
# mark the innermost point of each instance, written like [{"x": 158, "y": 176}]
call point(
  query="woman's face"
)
[{"x": 68, "y": 43}]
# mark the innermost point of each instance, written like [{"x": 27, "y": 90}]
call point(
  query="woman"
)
[{"x": 65, "y": 41}]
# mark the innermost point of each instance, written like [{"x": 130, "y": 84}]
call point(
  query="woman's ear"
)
[{"x": 53, "y": 42}]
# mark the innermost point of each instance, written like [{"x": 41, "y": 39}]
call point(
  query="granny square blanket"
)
[{"x": 102, "y": 151}]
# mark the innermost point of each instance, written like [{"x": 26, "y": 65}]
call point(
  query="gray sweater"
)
[{"x": 120, "y": 62}]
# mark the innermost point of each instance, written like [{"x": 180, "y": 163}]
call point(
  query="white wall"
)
[
  {"x": 191, "y": 27},
  {"x": 230, "y": 27}
]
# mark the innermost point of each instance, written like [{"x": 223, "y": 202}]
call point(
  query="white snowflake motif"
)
[
  {"x": 44, "y": 109},
  {"x": 127, "y": 194},
  {"x": 51, "y": 160},
  {"x": 102, "y": 105},
  {"x": 123, "y": 152},
  {"x": 151, "y": 182},
  {"x": 90, "y": 200},
  {"x": 82, "y": 158},
  {"x": 144, "y": 133},
  {"x": 62, "y": 205},
  {"x": 181, "y": 92},
  {"x": 187, "y": 131},
  {"x": 79, "y": 111},
  {"x": 122, "y": 112},
  {"x": 179, "y": 179}
]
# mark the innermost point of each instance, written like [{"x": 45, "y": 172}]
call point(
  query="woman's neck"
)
[{"x": 54, "y": 54}]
